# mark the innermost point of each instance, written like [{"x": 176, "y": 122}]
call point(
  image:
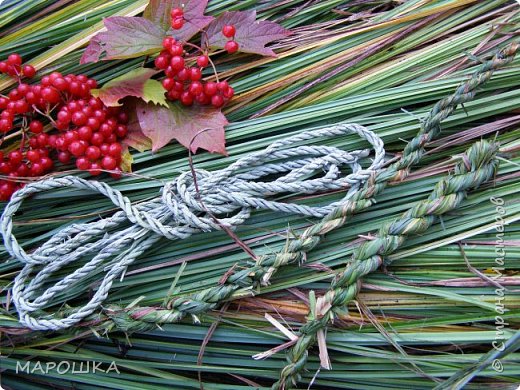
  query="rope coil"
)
[{"x": 230, "y": 194}]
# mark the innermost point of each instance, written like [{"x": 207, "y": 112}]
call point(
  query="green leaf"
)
[
  {"x": 126, "y": 37},
  {"x": 137, "y": 83}
]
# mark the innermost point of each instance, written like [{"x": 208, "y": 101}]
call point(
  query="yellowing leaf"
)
[
  {"x": 194, "y": 127},
  {"x": 137, "y": 83}
]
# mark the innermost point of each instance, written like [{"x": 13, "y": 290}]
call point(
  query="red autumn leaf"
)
[
  {"x": 194, "y": 127},
  {"x": 137, "y": 83},
  {"x": 135, "y": 137},
  {"x": 126, "y": 37},
  {"x": 158, "y": 11},
  {"x": 251, "y": 35}
]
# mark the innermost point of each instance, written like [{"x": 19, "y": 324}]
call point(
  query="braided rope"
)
[
  {"x": 296, "y": 248},
  {"x": 477, "y": 166},
  {"x": 231, "y": 194}
]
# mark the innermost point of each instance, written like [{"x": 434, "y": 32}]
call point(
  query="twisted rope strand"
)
[
  {"x": 297, "y": 248},
  {"x": 477, "y": 166},
  {"x": 231, "y": 193}
]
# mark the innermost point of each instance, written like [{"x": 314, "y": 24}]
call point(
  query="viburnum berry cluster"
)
[
  {"x": 183, "y": 80},
  {"x": 87, "y": 130},
  {"x": 183, "y": 71}
]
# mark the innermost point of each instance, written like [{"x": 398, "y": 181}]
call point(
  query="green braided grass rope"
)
[
  {"x": 478, "y": 165},
  {"x": 297, "y": 248},
  {"x": 242, "y": 281}
]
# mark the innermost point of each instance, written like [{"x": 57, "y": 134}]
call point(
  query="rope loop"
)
[{"x": 186, "y": 206}]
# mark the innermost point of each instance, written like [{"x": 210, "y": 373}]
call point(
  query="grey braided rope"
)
[{"x": 230, "y": 194}]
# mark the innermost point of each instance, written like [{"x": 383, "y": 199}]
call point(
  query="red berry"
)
[
  {"x": 33, "y": 155},
  {"x": 71, "y": 136},
  {"x": 177, "y": 63},
  {"x": 97, "y": 139},
  {"x": 85, "y": 133},
  {"x": 183, "y": 74},
  {"x": 196, "y": 88},
  {"x": 229, "y": 93},
  {"x": 21, "y": 107},
  {"x": 83, "y": 163},
  {"x": 23, "y": 89},
  {"x": 177, "y": 13},
  {"x": 93, "y": 153},
  {"x": 195, "y": 74},
  {"x": 14, "y": 59},
  {"x": 15, "y": 157},
  {"x": 229, "y": 31},
  {"x": 60, "y": 84},
  {"x": 117, "y": 173},
  {"x": 43, "y": 140},
  {"x": 92, "y": 84},
  {"x": 109, "y": 163},
  {"x": 210, "y": 88},
  {"x": 37, "y": 169},
  {"x": 79, "y": 118},
  {"x": 77, "y": 148},
  {"x": 202, "y": 61},
  {"x": 115, "y": 150},
  {"x": 64, "y": 157},
  {"x": 231, "y": 47},
  {"x": 174, "y": 94},
  {"x": 3, "y": 102},
  {"x": 168, "y": 83},
  {"x": 14, "y": 95},
  {"x": 64, "y": 116},
  {"x": 29, "y": 71},
  {"x": 162, "y": 62},
  {"x": 50, "y": 95},
  {"x": 222, "y": 86},
  {"x": 95, "y": 169},
  {"x": 93, "y": 123},
  {"x": 104, "y": 149},
  {"x": 176, "y": 50},
  {"x": 217, "y": 101},
  {"x": 186, "y": 98},
  {"x": 121, "y": 131},
  {"x": 46, "y": 163},
  {"x": 75, "y": 88},
  {"x": 8, "y": 113},
  {"x": 3, "y": 66},
  {"x": 23, "y": 170},
  {"x": 177, "y": 23},
  {"x": 168, "y": 42},
  {"x": 36, "y": 126},
  {"x": 5, "y": 125}
]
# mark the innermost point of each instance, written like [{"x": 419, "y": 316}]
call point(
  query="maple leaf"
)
[
  {"x": 136, "y": 83},
  {"x": 158, "y": 11},
  {"x": 251, "y": 35},
  {"x": 194, "y": 127},
  {"x": 135, "y": 137},
  {"x": 126, "y": 37}
]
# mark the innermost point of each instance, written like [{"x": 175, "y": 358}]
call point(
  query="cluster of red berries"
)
[
  {"x": 13, "y": 67},
  {"x": 87, "y": 129},
  {"x": 231, "y": 45},
  {"x": 177, "y": 21},
  {"x": 184, "y": 83}
]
